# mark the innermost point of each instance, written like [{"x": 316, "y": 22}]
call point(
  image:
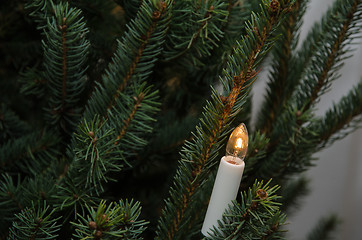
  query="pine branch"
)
[
  {"x": 30, "y": 153},
  {"x": 98, "y": 149},
  {"x": 342, "y": 119},
  {"x": 133, "y": 119},
  {"x": 39, "y": 10},
  {"x": 72, "y": 200},
  {"x": 257, "y": 216},
  {"x": 72, "y": 168},
  {"x": 40, "y": 189},
  {"x": 234, "y": 27},
  {"x": 324, "y": 229},
  {"x": 104, "y": 144},
  {"x": 339, "y": 27},
  {"x": 136, "y": 55},
  {"x": 201, "y": 33},
  {"x": 117, "y": 220},
  {"x": 282, "y": 77},
  {"x": 292, "y": 153},
  {"x": 291, "y": 145},
  {"x": 36, "y": 222},
  {"x": 95, "y": 155},
  {"x": 238, "y": 13},
  {"x": 343, "y": 30},
  {"x": 106, "y": 23},
  {"x": 200, "y": 155},
  {"x": 126, "y": 102},
  {"x": 65, "y": 55},
  {"x": 17, "y": 200}
]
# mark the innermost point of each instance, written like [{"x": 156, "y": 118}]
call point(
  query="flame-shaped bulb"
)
[{"x": 238, "y": 142}]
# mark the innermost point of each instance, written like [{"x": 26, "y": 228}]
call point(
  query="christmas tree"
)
[{"x": 114, "y": 114}]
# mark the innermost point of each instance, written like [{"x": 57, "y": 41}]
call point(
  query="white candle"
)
[
  {"x": 228, "y": 178},
  {"x": 225, "y": 189}
]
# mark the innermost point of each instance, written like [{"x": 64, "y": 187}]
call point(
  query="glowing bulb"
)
[{"x": 238, "y": 142}]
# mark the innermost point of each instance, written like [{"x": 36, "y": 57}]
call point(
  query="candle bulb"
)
[{"x": 228, "y": 178}]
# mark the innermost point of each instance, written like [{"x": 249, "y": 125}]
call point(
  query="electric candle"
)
[{"x": 228, "y": 178}]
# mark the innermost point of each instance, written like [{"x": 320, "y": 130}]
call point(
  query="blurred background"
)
[{"x": 336, "y": 180}]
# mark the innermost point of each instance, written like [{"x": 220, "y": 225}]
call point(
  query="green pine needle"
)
[
  {"x": 115, "y": 220},
  {"x": 36, "y": 222},
  {"x": 199, "y": 156},
  {"x": 257, "y": 216},
  {"x": 65, "y": 54}
]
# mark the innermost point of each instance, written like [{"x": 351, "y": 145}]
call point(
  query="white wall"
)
[{"x": 336, "y": 181}]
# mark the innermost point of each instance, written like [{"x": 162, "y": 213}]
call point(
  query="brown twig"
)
[
  {"x": 157, "y": 14},
  {"x": 127, "y": 122}
]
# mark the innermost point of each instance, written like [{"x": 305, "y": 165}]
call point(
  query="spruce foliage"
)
[
  {"x": 257, "y": 216},
  {"x": 98, "y": 97},
  {"x": 36, "y": 222},
  {"x": 111, "y": 222}
]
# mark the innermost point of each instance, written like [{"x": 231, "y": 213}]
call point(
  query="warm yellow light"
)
[{"x": 238, "y": 142}]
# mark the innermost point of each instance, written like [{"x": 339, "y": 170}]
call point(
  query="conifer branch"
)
[
  {"x": 196, "y": 161},
  {"x": 39, "y": 189},
  {"x": 334, "y": 51},
  {"x": 104, "y": 146},
  {"x": 231, "y": 4},
  {"x": 95, "y": 155},
  {"x": 305, "y": 144},
  {"x": 282, "y": 83},
  {"x": 72, "y": 197},
  {"x": 13, "y": 198},
  {"x": 256, "y": 216},
  {"x": 30, "y": 153},
  {"x": 99, "y": 147},
  {"x": 65, "y": 52},
  {"x": 238, "y": 13},
  {"x": 341, "y": 119},
  {"x": 292, "y": 147},
  {"x": 200, "y": 35},
  {"x": 156, "y": 15},
  {"x": 136, "y": 121},
  {"x": 36, "y": 222},
  {"x": 40, "y": 10},
  {"x": 208, "y": 17},
  {"x": 135, "y": 57},
  {"x": 322, "y": 69},
  {"x": 114, "y": 107},
  {"x": 117, "y": 220},
  {"x": 257, "y": 150}
]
